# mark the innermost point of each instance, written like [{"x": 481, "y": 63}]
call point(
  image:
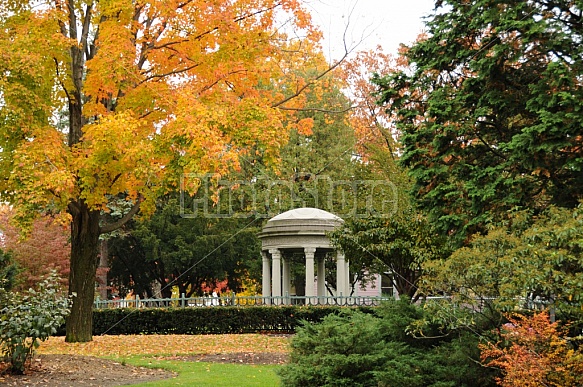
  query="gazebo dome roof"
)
[
  {"x": 306, "y": 213},
  {"x": 300, "y": 223}
]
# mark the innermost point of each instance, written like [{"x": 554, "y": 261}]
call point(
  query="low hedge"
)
[{"x": 213, "y": 320}]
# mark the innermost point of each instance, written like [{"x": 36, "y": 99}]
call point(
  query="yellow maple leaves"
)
[
  {"x": 43, "y": 164},
  {"x": 116, "y": 154},
  {"x": 166, "y": 87}
]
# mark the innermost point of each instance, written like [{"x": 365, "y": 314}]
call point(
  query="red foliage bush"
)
[
  {"x": 534, "y": 352},
  {"x": 45, "y": 248}
]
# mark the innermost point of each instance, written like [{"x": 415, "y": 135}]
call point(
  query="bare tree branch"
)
[
  {"x": 310, "y": 83},
  {"x": 320, "y": 110},
  {"x": 85, "y": 30}
]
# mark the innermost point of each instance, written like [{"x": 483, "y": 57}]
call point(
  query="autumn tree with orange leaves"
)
[
  {"x": 110, "y": 100},
  {"x": 534, "y": 352},
  {"x": 373, "y": 123}
]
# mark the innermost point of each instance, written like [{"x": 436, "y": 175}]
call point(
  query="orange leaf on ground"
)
[{"x": 120, "y": 346}]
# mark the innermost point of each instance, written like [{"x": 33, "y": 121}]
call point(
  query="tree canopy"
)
[
  {"x": 491, "y": 110},
  {"x": 538, "y": 260},
  {"x": 184, "y": 252},
  {"x": 398, "y": 245},
  {"x": 116, "y": 99}
]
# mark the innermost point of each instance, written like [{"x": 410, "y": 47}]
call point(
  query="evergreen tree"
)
[
  {"x": 491, "y": 112},
  {"x": 184, "y": 252},
  {"x": 359, "y": 349},
  {"x": 8, "y": 271}
]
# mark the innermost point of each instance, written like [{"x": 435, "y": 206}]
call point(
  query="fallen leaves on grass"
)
[{"x": 126, "y": 345}]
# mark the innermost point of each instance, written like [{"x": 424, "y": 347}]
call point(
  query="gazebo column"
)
[
  {"x": 340, "y": 274},
  {"x": 321, "y": 276},
  {"x": 285, "y": 279},
  {"x": 347, "y": 283},
  {"x": 309, "y": 251},
  {"x": 266, "y": 278},
  {"x": 276, "y": 274}
]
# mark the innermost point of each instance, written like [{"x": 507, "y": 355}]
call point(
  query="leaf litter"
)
[{"x": 60, "y": 364}]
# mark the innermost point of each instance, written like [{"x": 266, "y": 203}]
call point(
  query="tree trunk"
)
[
  {"x": 82, "y": 278},
  {"x": 404, "y": 281},
  {"x": 165, "y": 291},
  {"x": 102, "y": 269}
]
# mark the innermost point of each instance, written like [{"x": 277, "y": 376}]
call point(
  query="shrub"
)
[
  {"x": 343, "y": 350},
  {"x": 29, "y": 318},
  {"x": 215, "y": 320},
  {"x": 358, "y": 349},
  {"x": 533, "y": 351}
]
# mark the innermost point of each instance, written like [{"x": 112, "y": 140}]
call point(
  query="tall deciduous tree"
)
[
  {"x": 373, "y": 124},
  {"x": 110, "y": 99},
  {"x": 491, "y": 110},
  {"x": 313, "y": 162}
]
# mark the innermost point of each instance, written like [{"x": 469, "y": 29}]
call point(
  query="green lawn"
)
[{"x": 202, "y": 374}]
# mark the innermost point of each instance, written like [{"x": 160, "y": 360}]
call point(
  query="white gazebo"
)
[{"x": 301, "y": 230}]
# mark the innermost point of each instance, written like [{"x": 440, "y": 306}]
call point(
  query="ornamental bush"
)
[
  {"x": 215, "y": 320},
  {"x": 357, "y": 349},
  {"x": 29, "y": 318},
  {"x": 343, "y": 350},
  {"x": 533, "y": 351}
]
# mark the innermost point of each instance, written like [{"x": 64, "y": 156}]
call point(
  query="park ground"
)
[{"x": 106, "y": 360}]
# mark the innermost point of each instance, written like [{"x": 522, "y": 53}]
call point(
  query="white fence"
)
[{"x": 234, "y": 300}]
